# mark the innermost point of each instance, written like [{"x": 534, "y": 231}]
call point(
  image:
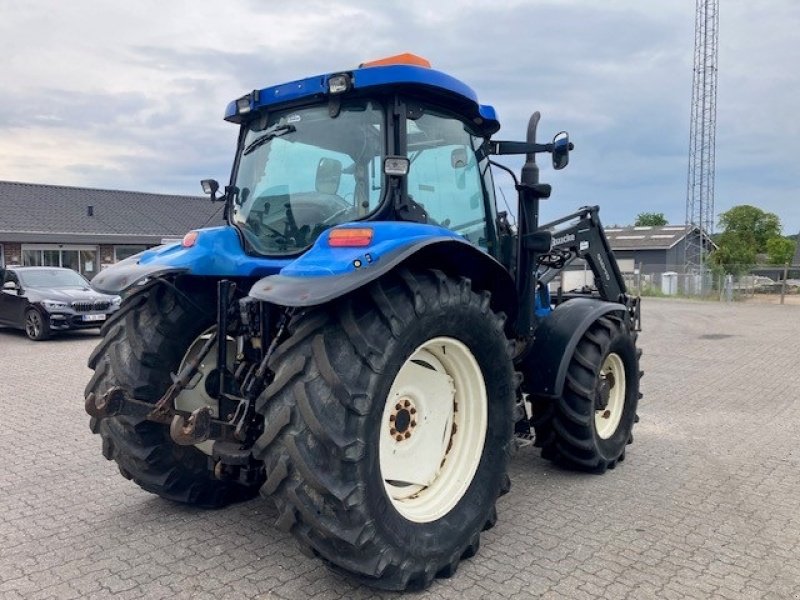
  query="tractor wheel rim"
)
[
  {"x": 433, "y": 430},
  {"x": 607, "y": 420},
  {"x": 194, "y": 395},
  {"x": 33, "y": 324}
]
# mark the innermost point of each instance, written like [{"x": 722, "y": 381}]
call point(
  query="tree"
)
[
  {"x": 747, "y": 230},
  {"x": 736, "y": 253},
  {"x": 751, "y": 223},
  {"x": 647, "y": 219},
  {"x": 780, "y": 250}
]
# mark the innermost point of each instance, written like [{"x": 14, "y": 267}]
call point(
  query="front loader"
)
[{"x": 364, "y": 338}]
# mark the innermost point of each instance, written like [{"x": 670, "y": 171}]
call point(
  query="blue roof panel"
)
[
  {"x": 366, "y": 77},
  {"x": 410, "y": 74}
]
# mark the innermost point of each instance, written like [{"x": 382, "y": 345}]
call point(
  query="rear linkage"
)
[{"x": 233, "y": 436}]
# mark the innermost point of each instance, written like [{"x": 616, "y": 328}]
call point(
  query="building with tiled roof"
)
[
  {"x": 653, "y": 249},
  {"x": 641, "y": 252},
  {"x": 85, "y": 228}
]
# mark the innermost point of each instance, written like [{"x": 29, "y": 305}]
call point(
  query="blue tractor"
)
[{"x": 365, "y": 337}]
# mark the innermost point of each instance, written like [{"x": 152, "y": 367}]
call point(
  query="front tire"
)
[
  {"x": 37, "y": 326},
  {"x": 590, "y": 425},
  {"x": 142, "y": 343},
  {"x": 339, "y": 445}
]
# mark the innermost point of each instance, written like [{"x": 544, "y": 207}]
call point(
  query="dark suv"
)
[{"x": 41, "y": 300}]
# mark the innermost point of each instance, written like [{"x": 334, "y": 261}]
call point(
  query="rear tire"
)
[
  {"x": 330, "y": 404},
  {"x": 142, "y": 343},
  {"x": 578, "y": 430}
]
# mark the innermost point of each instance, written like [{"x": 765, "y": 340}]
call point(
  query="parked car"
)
[{"x": 43, "y": 300}]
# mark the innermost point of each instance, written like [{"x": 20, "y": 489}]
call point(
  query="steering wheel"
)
[
  {"x": 347, "y": 209},
  {"x": 316, "y": 208},
  {"x": 298, "y": 214}
]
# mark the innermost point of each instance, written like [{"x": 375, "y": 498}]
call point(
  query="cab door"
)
[{"x": 447, "y": 176}]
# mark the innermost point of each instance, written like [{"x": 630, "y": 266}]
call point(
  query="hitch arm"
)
[
  {"x": 185, "y": 429},
  {"x": 116, "y": 402}
]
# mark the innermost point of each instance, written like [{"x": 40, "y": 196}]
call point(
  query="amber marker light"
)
[
  {"x": 350, "y": 237},
  {"x": 398, "y": 59},
  {"x": 189, "y": 239}
]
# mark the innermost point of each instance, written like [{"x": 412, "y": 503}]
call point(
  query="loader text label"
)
[
  {"x": 569, "y": 237},
  {"x": 603, "y": 265}
]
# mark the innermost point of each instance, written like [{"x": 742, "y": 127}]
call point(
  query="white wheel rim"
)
[
  {"x": 433, "y": 429},
  {"x": 607, "y": 420},
  {"x": 194, "y": 395}
]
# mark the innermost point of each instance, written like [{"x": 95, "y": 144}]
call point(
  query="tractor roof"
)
[{"x": 405, "y": 71}]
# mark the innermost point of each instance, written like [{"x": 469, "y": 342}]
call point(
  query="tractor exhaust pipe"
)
[
  {"x": 530, "y": 170},
  {"x": 528, "y": 222}
]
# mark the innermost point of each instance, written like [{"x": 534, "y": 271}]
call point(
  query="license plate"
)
[{"x": 94, "y": 317}]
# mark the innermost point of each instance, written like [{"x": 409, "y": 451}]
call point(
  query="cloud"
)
[{"x": 131, "y": 95}]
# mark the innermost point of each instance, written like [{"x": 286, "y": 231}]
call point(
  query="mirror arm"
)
[{"x": 500, "y": 148}]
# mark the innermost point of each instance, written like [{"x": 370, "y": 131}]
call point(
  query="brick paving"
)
[{"x": 707, "y": 504}]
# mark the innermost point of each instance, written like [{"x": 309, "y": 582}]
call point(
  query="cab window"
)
[{"x": 445, "y": 175}]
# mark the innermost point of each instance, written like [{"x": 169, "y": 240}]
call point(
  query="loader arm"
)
[{"x": 586, "y": 239}]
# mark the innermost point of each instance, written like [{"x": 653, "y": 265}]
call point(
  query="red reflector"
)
[
  {"x": 399, "y": 59},
  {"x": 350, "y": 237},
  {"x": 189, "y": 239}
]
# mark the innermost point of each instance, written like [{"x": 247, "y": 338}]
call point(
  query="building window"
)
[
  {"x": 123, "y": 252},
  {"x": 31, "y": 258},
  {"x": 82, "y": 259},
  {"x": 51, "y": 258}
]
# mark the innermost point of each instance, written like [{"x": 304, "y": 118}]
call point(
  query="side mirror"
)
[
  {"x": 210, "y": 187},
  {"x": 10, "y": 287},
  {"x": 561, "y": 148},
  {"x": 329, "y": 175},
  {"x": 458, "y": 158}
]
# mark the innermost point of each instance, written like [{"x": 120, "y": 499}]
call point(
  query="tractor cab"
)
[{"x": 390, "y": 141}]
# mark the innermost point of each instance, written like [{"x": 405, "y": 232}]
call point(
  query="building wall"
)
[
  {"x": 12, "y": 253},
  {"x": 649, "y": 261},
  {"x": 676, "y": 257},
  {"x": 106, "y": 253}
]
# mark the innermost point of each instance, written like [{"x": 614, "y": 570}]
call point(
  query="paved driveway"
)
[{"x": 707, "y": 504}]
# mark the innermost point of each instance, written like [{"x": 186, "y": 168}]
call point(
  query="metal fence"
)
[{"x": 723, "y": 283}]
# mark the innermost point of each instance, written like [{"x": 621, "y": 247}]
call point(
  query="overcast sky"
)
[{"x": 130, "y": 95}]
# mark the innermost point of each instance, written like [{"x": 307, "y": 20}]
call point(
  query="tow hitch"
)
[{"x": 185, "y": 429}]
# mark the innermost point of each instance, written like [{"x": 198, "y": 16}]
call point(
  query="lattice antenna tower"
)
[{"x": 702, "y": 134}]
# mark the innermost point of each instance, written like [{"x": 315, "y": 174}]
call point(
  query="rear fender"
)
[
  {"x": 325, "y": 273},
  {"x": 216, "y": 252},
  {"x": 555, "y": 340}
]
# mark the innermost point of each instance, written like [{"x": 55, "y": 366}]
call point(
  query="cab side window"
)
[{"x": 445, "y": 175}]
